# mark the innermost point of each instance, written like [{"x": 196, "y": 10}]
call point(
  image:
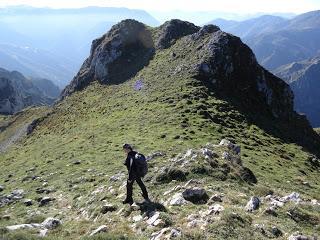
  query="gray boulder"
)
[
  {"x": 253, "y": 204},
  {"x": 195, "y": 195}
]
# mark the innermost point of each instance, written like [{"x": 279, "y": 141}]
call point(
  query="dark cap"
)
[{"x": 126, "y": 146}]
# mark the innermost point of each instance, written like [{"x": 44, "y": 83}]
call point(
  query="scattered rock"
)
[
  {"x": 43, "y": 232},
  {"x": 102, "y": 228},
  {"x": 270, "y": 211},
  {"x": 44, "y": 190},
  {"x": 197, "y": 223},
  {"x": 27, "y": 202},
  {"x": 137, "y": 218},
  {"x": 16, "y": 194},
  {"x": 299, "y": 236},
  {"x": 177, "y": 200},
  {"x": 76, "y": 162},
  {"x": 135, "y": 206},
  {"x": 235, "y": 148},
  {"x": 276, "y": 203},
  {"x": 12, "y": 197},
  {"x": 24, "y": 226},
  {"x": 165, "y": 233},
  {"x": 5, "y": 217},
  {"x": 108, "y": 208},
  {"x": 260, "y": 228},
  {"x": 154, "y": 155},
  {"x": 216, "y": 198},
  {"x": 153, "y": 218},
  {"x": 45, "y": 200},
  {"x": 253, "y": 204},
  {"x": 51, "y": 223},
  {"x": 159, "y": 223},
  {"x": 195, "y": 195},
  {"x": 215, "y": 209},
  {"x": 117, "y": 177},
  {"x": 276, "y": 231},
  {"x": 247, "y": 175},
  {"x": 294, "y": 197}
]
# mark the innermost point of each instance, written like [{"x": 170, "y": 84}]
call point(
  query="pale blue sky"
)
[{"x": 233, "y": 6}]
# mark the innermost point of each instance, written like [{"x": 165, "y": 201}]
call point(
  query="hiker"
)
[{"x": 137, "y": 168}]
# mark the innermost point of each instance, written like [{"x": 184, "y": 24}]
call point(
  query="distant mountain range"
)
[
  {"x": 304, "y": 79},
  {"x": 52, "y": 43},
  {"x": 18, "y": 92},
  {"x": 277, "y": 41}
]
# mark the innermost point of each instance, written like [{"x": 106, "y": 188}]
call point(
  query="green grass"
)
[{"x": 166, "y": 115}]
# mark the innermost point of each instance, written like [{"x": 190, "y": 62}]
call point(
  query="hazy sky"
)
[{"x": 234, "y": 6}]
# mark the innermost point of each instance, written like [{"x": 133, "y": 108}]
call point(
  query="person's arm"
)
[{"x": 130, "y": 168}]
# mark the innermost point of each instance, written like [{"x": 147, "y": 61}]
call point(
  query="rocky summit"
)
[{"x": 228, "y": 156}]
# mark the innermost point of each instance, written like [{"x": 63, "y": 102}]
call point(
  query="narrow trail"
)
[{"x": 22, "y": 131}]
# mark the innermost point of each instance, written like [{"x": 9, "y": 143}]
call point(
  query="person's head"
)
[{"x": 127, "y": 148}]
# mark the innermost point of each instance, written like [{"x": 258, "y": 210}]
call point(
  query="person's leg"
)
[
  {"x": 143, "y": 188},
  {"x": 129, "y": 198}
]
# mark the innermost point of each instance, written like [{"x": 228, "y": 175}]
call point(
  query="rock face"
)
[
  {"x": 303, "y": 78},
  {"x": 173, "y": 30},
  {"x": 128, "y": 43},
  {"x": 18, "y": 92}
]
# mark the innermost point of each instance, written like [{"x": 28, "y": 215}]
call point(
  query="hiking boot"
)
[{"x": 129, "y": 201}]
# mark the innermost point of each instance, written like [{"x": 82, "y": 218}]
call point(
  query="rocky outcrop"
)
[
  {"x": 18, "y": 92},
  {"x": 128, "y": 43},
  {"x": 172, "y": 30},
  {"x": 303, "y": 78}
]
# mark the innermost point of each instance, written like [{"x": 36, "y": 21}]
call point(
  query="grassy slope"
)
[{"x": 91, "y": 126}]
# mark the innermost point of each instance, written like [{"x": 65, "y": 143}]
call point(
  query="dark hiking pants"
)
[{"x": 141, "y": 185}]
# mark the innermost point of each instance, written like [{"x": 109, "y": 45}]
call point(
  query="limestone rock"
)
[
  {"x": 102, "y": 228},
  {"x": 51, "y": 223},
  {"x": 253, "y": 204}
]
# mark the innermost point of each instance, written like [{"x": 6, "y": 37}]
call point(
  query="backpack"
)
[{"x": 141, "y": 164}]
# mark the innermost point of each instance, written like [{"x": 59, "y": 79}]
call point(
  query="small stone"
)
[
  {"x": 108, "y": 208},
  {"x": 43, "y": 232},
  {"x": 276, "y": 231},
  {"x": 1, "y": 188},
  {"x": 294, "y": 197},
  {"x": 215, "y": 209},
  {"x": 137, "y": 218},
  {"x": 135, "y": 206},
  {"x": 197, "y": 223},
  {"x": 154, "y": 217},
  {"x": 102, "y": 228},
  {"x": 76, "y": 162},
  {"x": 270, "y": 211},
  {"x": 159, "y": 223},
  {"x": 216, "y": 198},
  {"x": 51, "y": 223},
  {"x": 45, "y": 200},
  {"x": 27, "y": 202},
  {"x": 298, "y": 236},
  {"x": 6, "y": 217},
  {"x": 177, "y": 200},
  {"x": 253, "y": 204}
]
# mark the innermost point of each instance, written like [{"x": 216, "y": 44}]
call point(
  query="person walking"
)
[{"x": 137, "y": 168}]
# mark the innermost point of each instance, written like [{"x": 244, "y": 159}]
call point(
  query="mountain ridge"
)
[{"x": 200, "y": 107}]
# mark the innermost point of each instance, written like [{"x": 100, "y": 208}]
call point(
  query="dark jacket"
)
[{"x": 133, "y": 171}]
